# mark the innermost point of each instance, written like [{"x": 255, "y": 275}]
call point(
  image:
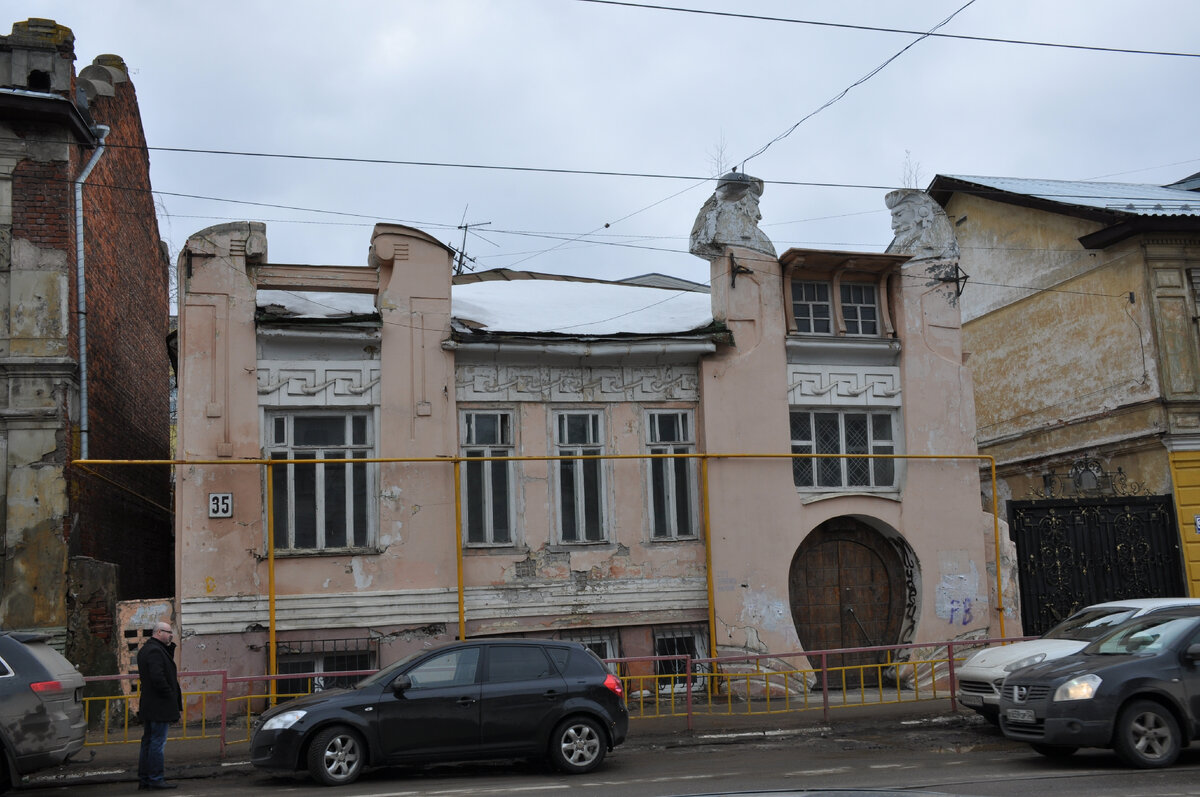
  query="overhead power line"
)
[
  {"x": 879, "y": 29},
  {"x": 920, "y": 38}
]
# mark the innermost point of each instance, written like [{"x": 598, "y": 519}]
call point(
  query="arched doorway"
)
[{"x": 847, "y": 590}]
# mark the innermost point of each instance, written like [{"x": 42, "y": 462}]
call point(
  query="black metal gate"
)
[{"x": 1072, "y": 553}]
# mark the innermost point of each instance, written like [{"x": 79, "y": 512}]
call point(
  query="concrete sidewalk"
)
[{"x": 201, "y": 758}]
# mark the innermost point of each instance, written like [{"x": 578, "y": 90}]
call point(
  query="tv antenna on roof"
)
[{"x": 460, "y": 264}]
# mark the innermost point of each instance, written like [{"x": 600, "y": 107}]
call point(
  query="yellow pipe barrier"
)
[
  {"x": 462, "y": 611},
  {"x": 708, "y": 568},
  {"x": 456, "y": 463},
  {"x": 272, "y": 655}
]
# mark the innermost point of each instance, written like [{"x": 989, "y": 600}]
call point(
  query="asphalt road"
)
[{"x": 961, "y": 760}]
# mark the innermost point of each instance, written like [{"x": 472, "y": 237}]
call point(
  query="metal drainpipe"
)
[{"x": 81, "y": 290}]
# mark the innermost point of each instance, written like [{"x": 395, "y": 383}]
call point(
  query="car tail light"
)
[
  {"x": 614, "y": 685},
  {"x": 46, "y": 687}
]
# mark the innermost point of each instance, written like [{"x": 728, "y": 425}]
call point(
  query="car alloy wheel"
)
[
  {"x": 1147, "y": 735},
  {"x": 335, "y": 756},
  {"x": 577, "y": 745}
]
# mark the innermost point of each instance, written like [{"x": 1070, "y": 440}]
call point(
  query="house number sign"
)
[{"x": 220, "y": 504}]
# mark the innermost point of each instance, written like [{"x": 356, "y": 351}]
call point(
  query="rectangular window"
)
[
  {"x": 672, "y": 481},
  {"x": 580, "y": 481},
  {"x": 487, "y": 488},
  {"x": 322, "y": 505},
  {"x": 811, "y": 308},
  {"x": 856, "y": 312},
  {"x": 842, "y": 432},
  {"x": 860, "y": 310}
]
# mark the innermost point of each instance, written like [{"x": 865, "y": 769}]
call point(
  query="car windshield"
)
[
  {"x": 1089, "y": 623},
  {"x": 388, "y": 672},
  {"x": 1150, "y": 634}
]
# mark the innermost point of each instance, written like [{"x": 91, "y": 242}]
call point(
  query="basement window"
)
[{"x": 311, "y": 659}]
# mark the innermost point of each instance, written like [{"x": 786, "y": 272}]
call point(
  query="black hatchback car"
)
[
  {"x": 486, "y": 698},
  {"x": 1135, "y": 690}
]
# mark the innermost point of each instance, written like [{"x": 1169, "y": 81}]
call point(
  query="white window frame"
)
[
  {"x": 853, "y": 304},
  {"x": 812, "y": 319},
  {"x": 603, "y": 642},
  {"x": 318, "y": 663},
  {"x": 483, "y": 475},
  {"x": 573, "y": 473},
  {"x": 361, "y": 478},
  {"x": 677, "y": 476},
  {"x": 851, "y": 473},
  {"x": 845, "y": 304}
]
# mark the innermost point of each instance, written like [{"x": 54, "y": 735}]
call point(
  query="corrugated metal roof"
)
[{"x": 1134, "y": 198}]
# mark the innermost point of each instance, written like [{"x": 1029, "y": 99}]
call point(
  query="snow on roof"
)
[
  {"x": 580, "y": 308},
  {"x": 315, "y": 304},
  {"x": 529, "y": 307},
  {"x": 1136, "y": 198}
]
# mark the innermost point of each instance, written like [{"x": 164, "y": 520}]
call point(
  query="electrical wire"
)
[
  {"x": 878, "y": 29},
  {"x": 921, "y": 37}
]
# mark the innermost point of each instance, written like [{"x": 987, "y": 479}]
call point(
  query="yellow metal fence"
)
[{"x": 217, "y": 706}]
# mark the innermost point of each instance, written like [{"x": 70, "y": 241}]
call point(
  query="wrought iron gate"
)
[{"x": 1072, "y": 553}]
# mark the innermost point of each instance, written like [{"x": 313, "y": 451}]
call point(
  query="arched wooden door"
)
[{"x": 846, "y": 588}]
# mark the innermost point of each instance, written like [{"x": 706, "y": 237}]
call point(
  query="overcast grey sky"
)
[{"x": 572, "y": 85}]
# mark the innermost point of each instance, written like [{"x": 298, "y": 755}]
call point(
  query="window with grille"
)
[
  {"x": 601, "y": 641},
  {"x": 679, "y": 640},
  {"x": 322, "y": 505},
  {"x": 580, "y": 481},
  {"x": 842, "y": 432},
  {"x": 487, "y": 488},
  {"x": 310, "y": 659},
  {"x": 672, "y": 481}
]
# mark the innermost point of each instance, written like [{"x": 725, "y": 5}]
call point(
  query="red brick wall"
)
[
  {"x": 40, "y": 192},
  {"x": 125, "y": 515}
]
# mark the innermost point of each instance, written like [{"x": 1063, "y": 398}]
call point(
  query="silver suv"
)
[
  {"x": 41, "y": 707},
  {"x": 981, "y": 676}
]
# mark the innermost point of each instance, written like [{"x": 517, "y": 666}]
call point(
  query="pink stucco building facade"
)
[{"x": 584, "y": 530}]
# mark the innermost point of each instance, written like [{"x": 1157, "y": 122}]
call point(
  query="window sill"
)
[
  {"x": 563, "y": 547},
  {"x": 307, "y": 553},
  {"x": 693, "y": 538},
  {"x": 481, "y": 549},
  {"x": 842, "y": 349}
]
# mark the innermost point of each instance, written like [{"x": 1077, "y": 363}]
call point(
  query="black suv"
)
[
  {"x": 485, "y": 698},
  {"x": 1135, "y": 689},
  {"x": 41, "y": 707}
]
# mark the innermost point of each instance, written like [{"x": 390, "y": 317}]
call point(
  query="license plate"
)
[
  {"x": 971, "y": 700},
  {"x": 1021, "y": 715}
]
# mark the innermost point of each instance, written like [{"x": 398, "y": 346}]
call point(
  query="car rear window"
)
[{"x": 559, "y": 656}]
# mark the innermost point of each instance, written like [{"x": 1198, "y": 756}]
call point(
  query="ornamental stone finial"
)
[
  {"x": 730, "y": 218},
  {"x": 920, "y": 226}
]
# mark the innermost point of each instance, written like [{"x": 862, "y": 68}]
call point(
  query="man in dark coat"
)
[{"x": 161, "y": 703}]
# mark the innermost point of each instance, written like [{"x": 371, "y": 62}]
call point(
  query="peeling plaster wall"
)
[
  {"x": 760, "y": 518},
  {"x": 405, "y": 584},
  {"x": 1078, "y": 370},
  {"x": 53, "y": 511}
]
